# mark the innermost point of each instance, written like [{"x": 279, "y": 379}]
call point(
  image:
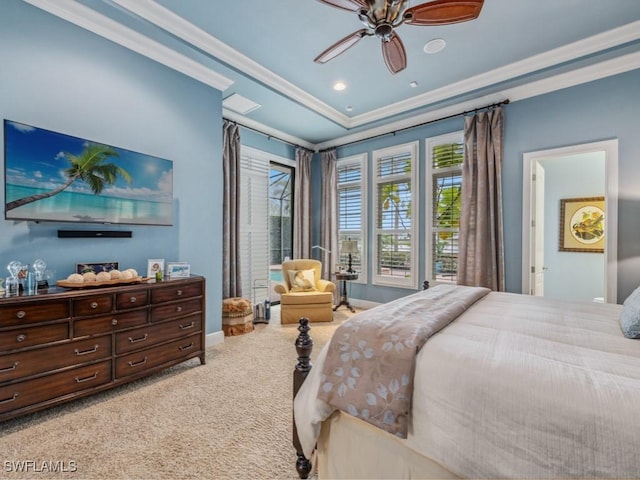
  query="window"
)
[
  {"x": 351, "y": 184},
  {"x": 444, "y": 183},
  {"x": 395, "y": 241}
]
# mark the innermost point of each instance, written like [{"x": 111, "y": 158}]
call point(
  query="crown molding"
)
[
  {"x": 622, "y": 64},
  {"x": 178, "y": 26},
  {"x": 151, "y": 11},
  {"x": 265, "y": 129},
  {"x": 97, "y": 23},
  {"x": 590, "y": 45}
]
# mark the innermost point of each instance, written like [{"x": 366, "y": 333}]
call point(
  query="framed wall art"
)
[{"x": 582, "y": 224}]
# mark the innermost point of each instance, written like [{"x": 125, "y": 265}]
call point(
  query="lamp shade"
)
[{"x": 349, "y": 246}]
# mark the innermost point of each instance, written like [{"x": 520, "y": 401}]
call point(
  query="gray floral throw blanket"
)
[{"x": 371, "y": 358}]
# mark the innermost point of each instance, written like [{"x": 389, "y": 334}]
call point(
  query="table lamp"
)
[{"x": 349, "y": 247}]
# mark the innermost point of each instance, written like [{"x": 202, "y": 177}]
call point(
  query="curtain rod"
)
[
  {"x": 268, "y": 135},
  {"x": 475, "y": 110}
]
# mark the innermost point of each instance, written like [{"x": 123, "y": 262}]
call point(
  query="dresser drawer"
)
[
  {"x": 175, "y": 309},
  {"x": 109, "y": 323},
  {"x": 24, "y": 364},
  {"x": 31, "y": 392},
  {"x": 13, "y": 315},
  {"x": 176, "y": 292},
  {"x": 146, "y": 359},
  {"x": 30, "y": 336},
  {"x": 137, "y": 298},
  {"x": 92, "y": 305},
  {"x": 152, "y": 334}
]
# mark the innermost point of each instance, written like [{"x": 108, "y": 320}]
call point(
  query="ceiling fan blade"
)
[
  {"x": 350, "y": 5},
  {"x": 394, "y": 54},
  {"x": 341, "y": 46},
  {"x": 443, "y": 12}
]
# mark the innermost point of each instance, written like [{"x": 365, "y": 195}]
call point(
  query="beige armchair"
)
[{"x": 304, "y": 293}]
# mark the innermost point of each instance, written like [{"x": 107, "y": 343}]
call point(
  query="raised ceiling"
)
[{"x": 263, "y": 51}]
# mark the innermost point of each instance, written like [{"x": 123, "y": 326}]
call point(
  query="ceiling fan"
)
[{"x": 382, "y": 17}]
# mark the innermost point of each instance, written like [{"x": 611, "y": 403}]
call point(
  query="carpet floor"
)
[{"x": 228, "y": 419}]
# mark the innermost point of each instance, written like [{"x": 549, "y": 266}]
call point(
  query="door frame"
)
[{"x": 610, "y": 149}]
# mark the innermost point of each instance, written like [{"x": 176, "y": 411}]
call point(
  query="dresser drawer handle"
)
[
  {"x": 178, "y": 309},
  {"x": 187, "y": 347},
  {"x": 133, "y": 299},
  {"x": 139, "y": 339},
  {"x": 87, "y": 352},
  {"x": 136, "y": 364},
  {"x": 86, "y": 379},
  {"x": 21, "y": 338},
  {"x": 10, "y": 399},
  {"x": 185, "y": 327},
  {"x": 8, "y": 369},
  {"x": 21, "y": 314},
  {"x": 114, "y": 322},
  {"x": 94, "y": 305},
  {"x": 179, "y": 293}
]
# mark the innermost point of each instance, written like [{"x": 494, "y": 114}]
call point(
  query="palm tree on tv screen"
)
[{"x": 89, "y": 166}]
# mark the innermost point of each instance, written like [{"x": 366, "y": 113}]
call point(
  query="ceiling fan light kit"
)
[{"x": 382, "y": 17}]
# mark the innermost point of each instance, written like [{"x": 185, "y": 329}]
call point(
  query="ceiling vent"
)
[{"x": 240, "y": 104}]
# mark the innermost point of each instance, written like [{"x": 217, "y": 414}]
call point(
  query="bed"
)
[{"x": 513, "y": 386}]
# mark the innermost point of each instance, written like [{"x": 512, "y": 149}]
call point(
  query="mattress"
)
[{"x": 517, "y": 387}]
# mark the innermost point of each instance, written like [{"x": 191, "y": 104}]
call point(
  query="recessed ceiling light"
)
[
  {"x": 339, "y": 86},
  {"x": 435, "y": 45},
  {"x": 413, "y": 84},
  {"x": 348, "y": 108}
]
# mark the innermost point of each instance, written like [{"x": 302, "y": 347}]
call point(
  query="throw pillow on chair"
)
[{"x": 302, "y": 280}]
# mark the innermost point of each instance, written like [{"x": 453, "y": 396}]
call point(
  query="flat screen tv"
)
[{"x": 54, "y": 177}]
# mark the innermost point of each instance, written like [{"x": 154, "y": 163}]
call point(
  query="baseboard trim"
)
[{"x": 214, "y": 338}]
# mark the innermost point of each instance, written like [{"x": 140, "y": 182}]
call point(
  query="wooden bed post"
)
[{"x": 304, "y": 346}]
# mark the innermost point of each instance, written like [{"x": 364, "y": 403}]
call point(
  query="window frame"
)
[
  {"x": 430, "y": 144},
  {"x": 387, "y": 280},
  {"x": 361, "y": 160}
]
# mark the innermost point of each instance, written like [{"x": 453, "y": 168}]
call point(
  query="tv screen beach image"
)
[{"x": 51, "y": 176}]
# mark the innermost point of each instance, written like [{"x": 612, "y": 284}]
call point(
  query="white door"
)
[{"x": 537, "y": 206}]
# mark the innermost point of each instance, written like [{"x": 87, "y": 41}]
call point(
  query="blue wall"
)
[
  {"x": 273, "y": 146},
  {"x": 63, "y": 78},
  {"x": 599, "y": 110},
  {"x": 571, "y": 275}
]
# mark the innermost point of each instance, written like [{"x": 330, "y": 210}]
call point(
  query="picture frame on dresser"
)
[
  {"x": 154, "y": 265},
  {"x": 178, "y": 270}
]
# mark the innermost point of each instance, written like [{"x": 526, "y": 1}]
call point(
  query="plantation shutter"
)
[
  {"x": 394, "y": 219},
  {"x": 254, "y": 225},
  {"x": 446, "y": 170},
  {"x": 349, "y": 182}
]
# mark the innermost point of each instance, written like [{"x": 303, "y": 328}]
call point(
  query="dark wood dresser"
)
[{"x": 62, "y": 344}]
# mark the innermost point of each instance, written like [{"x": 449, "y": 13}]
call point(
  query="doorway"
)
[
  {"x": 266, "y": 221},
  {"x": 281, "y": 178},
  {"x": 549, "y": 176}
]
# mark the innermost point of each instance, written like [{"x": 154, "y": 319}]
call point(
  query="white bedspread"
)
[{"x": 519, "y": 387}]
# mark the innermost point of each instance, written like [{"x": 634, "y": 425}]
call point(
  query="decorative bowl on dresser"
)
[{"x": 63, "y": 344}]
